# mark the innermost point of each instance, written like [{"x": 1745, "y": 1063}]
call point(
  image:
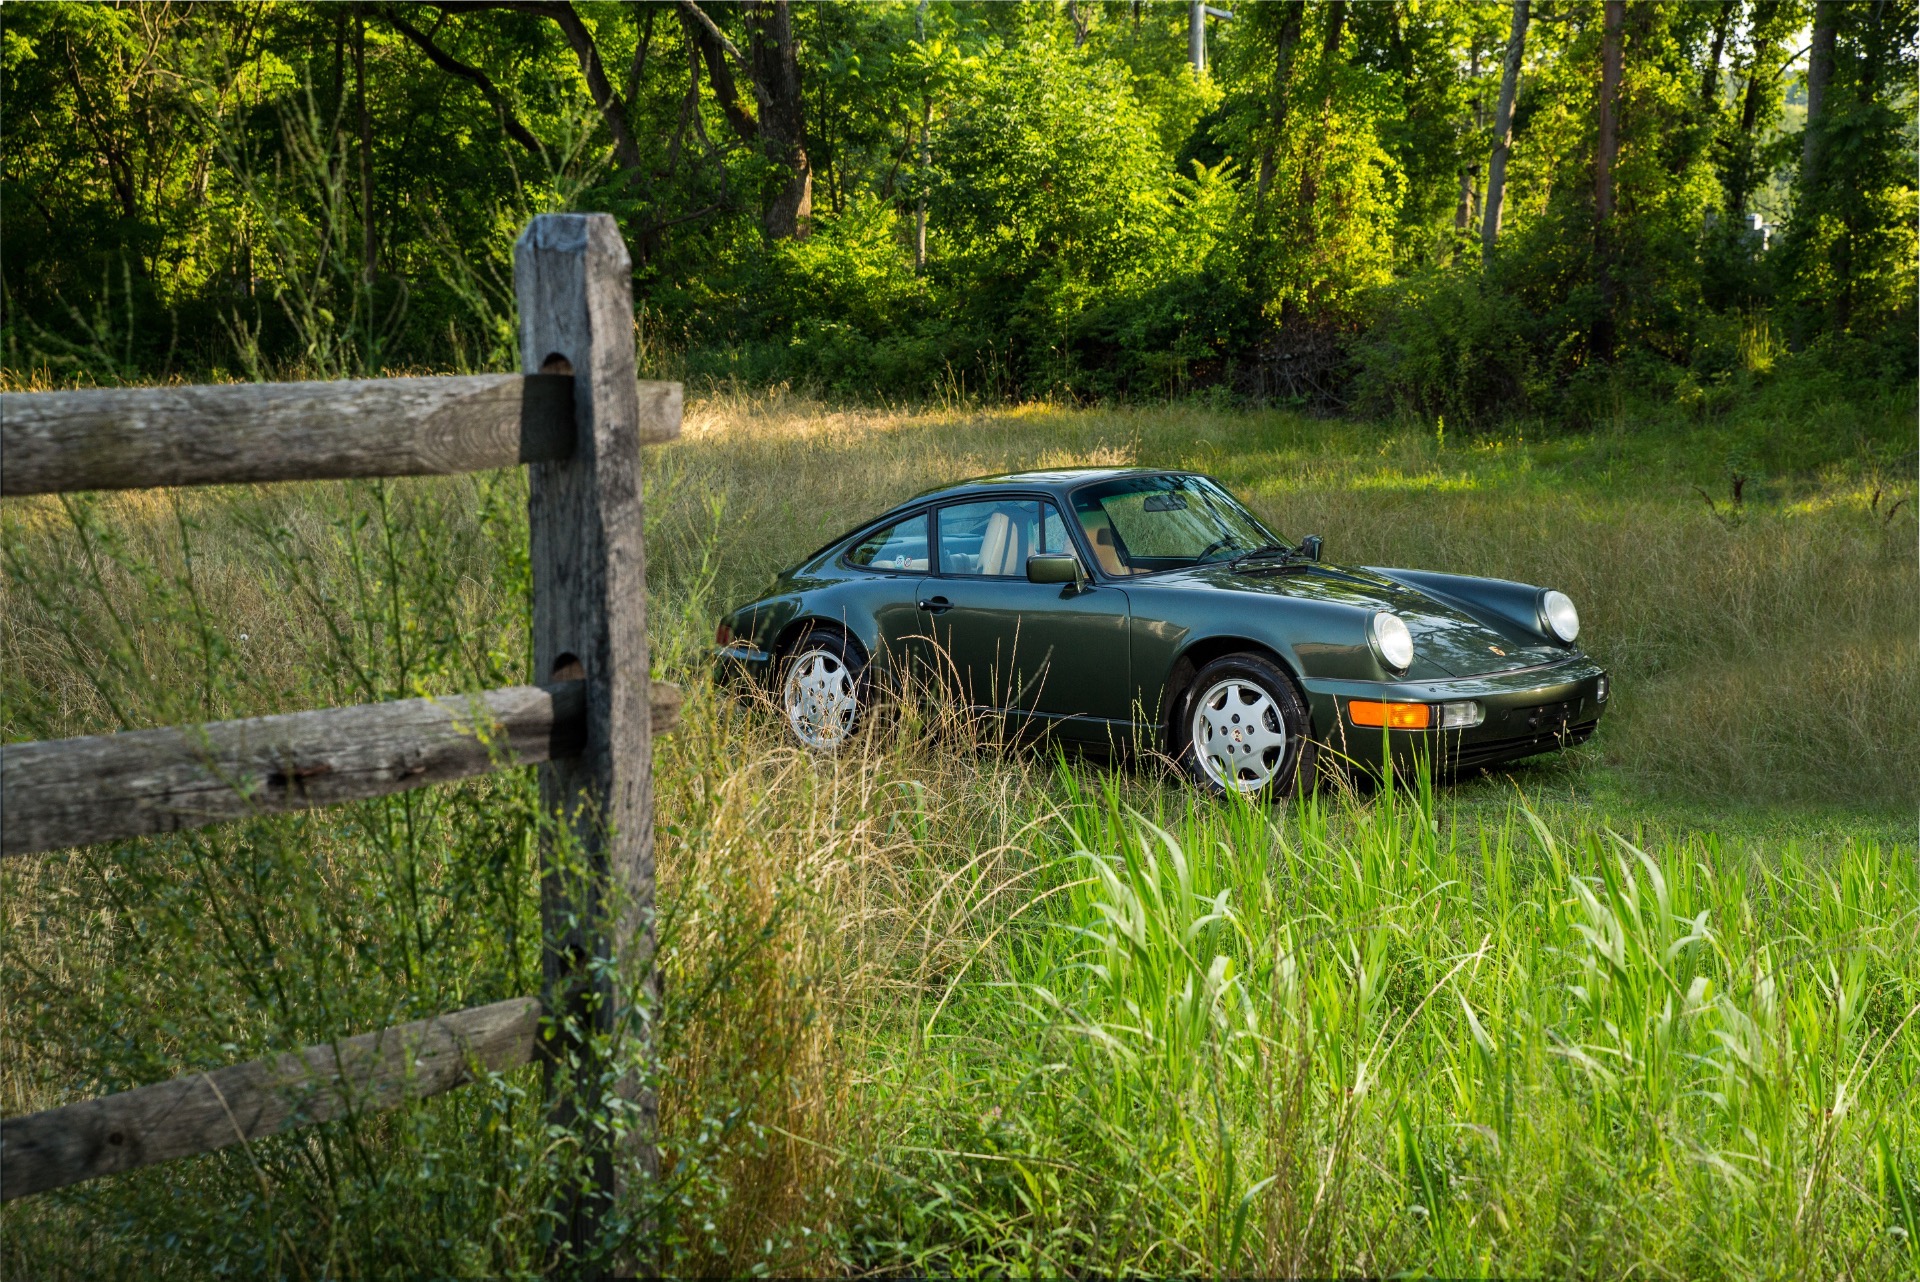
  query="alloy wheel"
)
[
  {"x": 821, "y": 698},
  {"x": 1239, "y": 736}
]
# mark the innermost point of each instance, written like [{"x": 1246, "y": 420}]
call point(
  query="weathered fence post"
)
[
  {"x": 580, "y": 418},
  {"x": 573, "y": 279}
]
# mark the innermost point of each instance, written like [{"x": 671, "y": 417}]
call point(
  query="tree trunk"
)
[
  {"x": 1826, "y": 18},
  {"x": 783, "y": 129},
  {"x": 1872, "y": 47},
  {"x": 1740, "y": 171},
  {"x": 1336, "y": 28},
  {"x": 637, "y": 69},
  {"x": 1874, "y": 54},
  {"x": 1710, "y": 80},
  {"x": 920, "y": 204},
  {"x": 714, "y": 52},
  {"x": 334, "y": 212},
  {"x": 366, "y": 147},
  {"x": 612, "y": 110},
  {"x": 1607, "y": 147},
  {"x": 926, "y": 154},
  {"x": 1503, "y": 130},
  {"x": 1463, "y": 215},
  {"x": 1284, "y": 45}
]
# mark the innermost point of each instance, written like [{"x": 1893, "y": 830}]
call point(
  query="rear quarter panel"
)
[{"x": 869, "y": 607}]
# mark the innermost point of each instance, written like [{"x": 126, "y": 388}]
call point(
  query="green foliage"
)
[
  {"x": 1448, "y": 346},
  {"x": 1555, "y": 1043},
  {"x": 1848, "y": 265},
  {"x": 184, "y": 195}
]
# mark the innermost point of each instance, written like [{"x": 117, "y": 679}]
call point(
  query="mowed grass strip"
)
[{"x": 935, "y": 1006}]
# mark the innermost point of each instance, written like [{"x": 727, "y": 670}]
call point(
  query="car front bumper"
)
[{"x": 1526, "y": 712}]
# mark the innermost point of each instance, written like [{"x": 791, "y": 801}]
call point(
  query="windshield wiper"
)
[{"x": 1260, "y": 553}]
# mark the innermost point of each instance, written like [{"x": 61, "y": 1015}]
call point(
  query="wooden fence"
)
[{"x": 578, "y": 418}]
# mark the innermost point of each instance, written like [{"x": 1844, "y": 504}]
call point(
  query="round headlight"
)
[
  {"x": 1393, "y": 642},
  {"x": 1562, "y": 619}
]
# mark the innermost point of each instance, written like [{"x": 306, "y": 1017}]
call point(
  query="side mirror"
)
[
  {"x": 1054, "y": 567},
  {"x": 1310, "y": 547}
]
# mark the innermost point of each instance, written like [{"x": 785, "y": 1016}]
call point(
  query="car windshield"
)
[{"x": 1141, "y": 524}]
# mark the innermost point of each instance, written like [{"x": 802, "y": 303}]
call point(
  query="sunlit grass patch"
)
[
  {"x": 1429, "y": 482},
  {"x": 937, "y": 1005}
]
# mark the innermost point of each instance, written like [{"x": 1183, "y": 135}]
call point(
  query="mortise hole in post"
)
[
  {"x": 556, "y": 364},
  {"x": 568, "y": 668}
]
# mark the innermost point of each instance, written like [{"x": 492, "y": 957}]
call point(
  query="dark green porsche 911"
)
[{"x": 1150, "y": 610}]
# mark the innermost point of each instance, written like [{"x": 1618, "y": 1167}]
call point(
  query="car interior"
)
[
  {"x": 996, "y": 538},
  {"x": 1106, "y": 544},
  {"x": 898, "y": 547}
]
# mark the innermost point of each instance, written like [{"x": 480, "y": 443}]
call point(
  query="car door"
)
[
  {"x": 895, "y": 559},
  {"x": 1040, "y": 652}
]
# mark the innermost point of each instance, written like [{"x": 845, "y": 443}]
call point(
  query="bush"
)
[{"x": 1445, "y": 345}]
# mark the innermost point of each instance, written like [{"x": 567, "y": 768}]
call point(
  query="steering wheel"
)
[{"x": 1223, "y": 541}]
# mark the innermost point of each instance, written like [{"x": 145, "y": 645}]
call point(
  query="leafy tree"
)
[
  {"x": 1849, "y": 259},
  {"x": 1445, "y": 205}
]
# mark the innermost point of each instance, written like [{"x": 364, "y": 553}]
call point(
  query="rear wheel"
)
[
  {"x": 823, "y": 690},
  {"x": 1243, "y": 728}
]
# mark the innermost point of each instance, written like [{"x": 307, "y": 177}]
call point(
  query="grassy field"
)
[{"x": 1647, "y": 1008}]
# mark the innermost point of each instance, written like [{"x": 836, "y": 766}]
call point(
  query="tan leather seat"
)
[
  {"x": 1003, "y": 548},
  {"x": 1104, "y": 550}
]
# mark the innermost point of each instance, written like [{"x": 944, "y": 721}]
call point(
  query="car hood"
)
[{"x": 1449, "y": 634}]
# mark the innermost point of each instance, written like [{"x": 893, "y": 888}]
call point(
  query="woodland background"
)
[
  {"x": 1472, "y": 286},
  {"x": 1438, "y": 207}
]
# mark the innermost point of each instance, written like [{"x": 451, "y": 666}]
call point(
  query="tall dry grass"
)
[
  {"x": 908, "y": 1025},
  {"x": 1766, "y": 653}
]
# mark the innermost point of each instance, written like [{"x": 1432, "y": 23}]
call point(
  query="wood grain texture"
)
[
  {"x": 208, "y": 1111},
  {"x": 129, "y": 438},
  {"x": 71, "y": 792},
  {"x": 132, "y": 438},
  {"x": 573, "y": 279}
]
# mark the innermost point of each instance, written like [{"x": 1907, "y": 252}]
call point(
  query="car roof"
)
[{"x": 1046, "y": 478}]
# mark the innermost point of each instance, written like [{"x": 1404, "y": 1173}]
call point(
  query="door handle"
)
[{"x": 936, "y": 605}]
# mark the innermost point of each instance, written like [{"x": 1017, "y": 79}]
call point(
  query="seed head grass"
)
[{"x": 941, "y": 1004}]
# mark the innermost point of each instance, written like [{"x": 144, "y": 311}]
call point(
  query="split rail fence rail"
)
[{"x": 578, "y": 418}]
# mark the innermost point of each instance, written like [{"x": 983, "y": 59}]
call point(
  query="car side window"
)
[
  {"x": 995, "y": 538},
  {"x": 1053, "y": 530},
  {"x": 901, "y": 547}
]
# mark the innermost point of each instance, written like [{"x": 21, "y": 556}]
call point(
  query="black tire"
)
[
  {"x": 820, "y": 670},
  {"x": 1258, "y": 765}
]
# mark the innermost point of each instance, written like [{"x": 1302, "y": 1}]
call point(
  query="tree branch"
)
[
  {"x": 688, "y": 105},
  {"x": 613, "y": 110},
  {"x": 713, "y": 47},
  {"x": 718, "y": 36},
  {"x": 483, "y": 82},
  {"x": 654, "y": 228},
  {"x": 641, "y": 46}
]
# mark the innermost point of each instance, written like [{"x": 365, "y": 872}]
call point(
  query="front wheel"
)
[
  {"x": 1243, "y": 728},
  {"x": 822, "y": 692}
]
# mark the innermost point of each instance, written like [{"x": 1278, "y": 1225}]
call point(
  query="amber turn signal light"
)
[{"x": 1397, "y": 716}]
